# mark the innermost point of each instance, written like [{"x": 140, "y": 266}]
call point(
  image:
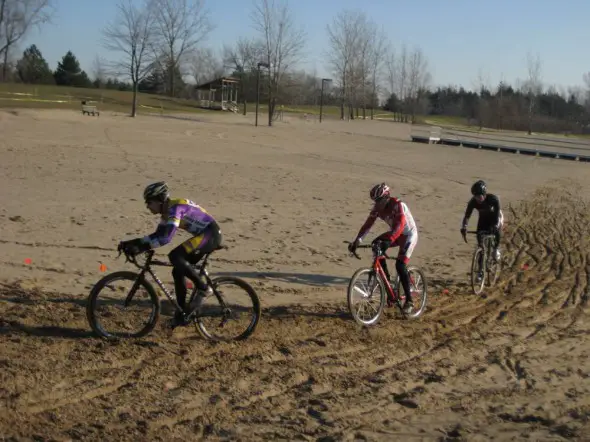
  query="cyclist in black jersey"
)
[{"x": 491, "y": 218}]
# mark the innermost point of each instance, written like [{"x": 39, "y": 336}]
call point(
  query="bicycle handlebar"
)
[
  {"x": 475, "y": 232},
  {"x": 149, "y": 253},
  {"x": 364, "y": 246},
  {"x": 132, "y": 258}
]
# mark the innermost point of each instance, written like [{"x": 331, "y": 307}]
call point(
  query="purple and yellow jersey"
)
[{"x": 182, "y": 214}]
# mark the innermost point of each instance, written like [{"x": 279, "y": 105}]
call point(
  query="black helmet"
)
[
  {"x": 479, "y": 188},
  {"x": 156, "y": 191}
]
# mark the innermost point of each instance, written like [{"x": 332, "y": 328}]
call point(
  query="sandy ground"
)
[{"x": 510, "y": 365}]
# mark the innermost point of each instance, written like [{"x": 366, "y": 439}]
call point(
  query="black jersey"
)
[{"x": 489, "y": 212}]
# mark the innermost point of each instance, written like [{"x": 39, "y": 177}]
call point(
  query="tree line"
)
[{"x": 157, "y": 46}]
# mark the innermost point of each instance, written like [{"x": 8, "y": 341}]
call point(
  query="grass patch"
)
[
  {"x": 18, "y": 95},
  {"x": 314, "y": 110},
  {"x": 459, "y": 123},
  {"x": 332, "y": 110},
  {"x": 62, "y": 97},
  {"x": 443, "y": 120}
]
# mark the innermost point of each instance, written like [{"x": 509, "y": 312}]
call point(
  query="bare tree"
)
[
  {"x": 586, "y": 100},
  {"x": 398, "y": 66},
  {"x": 351, "y": 38},
  {"x": 206, "y": 65},
  {"x": 482, "y": 86},
  {"x": 363, "y": 62},
  {"x": 402, "y": 80},
  {"x": 99, "y": 71},
  {"x": 17, "y": 17},
  {"x": 242, "y": 58},
  {"x": 283, "y": 43},
  {"x": 181, "y": 26},
  {"x": 244, "y": 55},
  {"x": 131, "y": 35},
  {"x": 418, "y": 79},
  {"x": 377, "y": 56},
  {"x": 2, "y": 9},
  {"x": 341, "y": 39},
  {"x": 533, "y": 86},
  {"x": 391, "y": 70}
]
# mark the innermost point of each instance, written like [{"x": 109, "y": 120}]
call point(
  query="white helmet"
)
[{"x": 156, "y": 191}]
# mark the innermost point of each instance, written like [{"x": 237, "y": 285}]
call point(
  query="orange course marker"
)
[{"x": 103, "y": 268}]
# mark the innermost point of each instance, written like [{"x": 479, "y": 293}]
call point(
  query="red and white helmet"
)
[{"x": 379, "y": 191}]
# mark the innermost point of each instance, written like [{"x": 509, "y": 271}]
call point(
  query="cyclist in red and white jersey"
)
[{"x": 403, "y": 233}]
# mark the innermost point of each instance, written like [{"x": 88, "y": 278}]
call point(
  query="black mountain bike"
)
[
  {"x": 125, "y": 304},
  {"x": 485, "y": 269}
]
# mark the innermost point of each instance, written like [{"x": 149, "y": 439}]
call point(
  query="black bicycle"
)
[
  {"x": 485, "y": 268},
  {"x": 113, "y": 309}
]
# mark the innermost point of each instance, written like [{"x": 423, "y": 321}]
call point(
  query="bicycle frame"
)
[
  {"x": 146, "y": 268},
  {"x": 393, "y": 295},
  {"x": 488, "y": 241},
  {"x": 378, "y": 268}
]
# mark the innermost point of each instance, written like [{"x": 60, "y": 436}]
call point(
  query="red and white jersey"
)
[{"x": 398, "y": 217}]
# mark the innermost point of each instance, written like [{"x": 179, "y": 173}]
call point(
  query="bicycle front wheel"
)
[
  {"x": 122, "y": 306},
  {"x": 477, "y": 271},
  {"x": 492, "y": 265},
  {"x": 231, "y": 313},
  {"x": 366, "y": 297}
]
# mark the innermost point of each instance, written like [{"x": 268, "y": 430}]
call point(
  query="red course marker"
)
[{"x": 28, "y": 261}]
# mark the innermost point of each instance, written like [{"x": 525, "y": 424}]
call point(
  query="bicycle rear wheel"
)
[
  {"x": 478, "y": 271},
  {"x": 121, "y": 306},
  {"x": 232, "y": 313},
  {"x": 419, "y": 290},
  {"x": 366, "y": 296}
]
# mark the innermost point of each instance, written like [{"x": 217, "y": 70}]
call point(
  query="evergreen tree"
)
[
  {"x": 68, "y": 72},
  {"x": 33, "y": 68},
  {"x": 154, "y": 83}
]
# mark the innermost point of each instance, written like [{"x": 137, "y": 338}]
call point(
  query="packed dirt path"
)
[{"x": 510, "y": 365}]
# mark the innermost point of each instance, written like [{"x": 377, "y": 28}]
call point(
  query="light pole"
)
[
  {"x": 261, "y": 63},
  {"x": 324, "y": 80}
]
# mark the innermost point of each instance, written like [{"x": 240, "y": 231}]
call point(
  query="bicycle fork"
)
[{"x": 140, "y": 277}]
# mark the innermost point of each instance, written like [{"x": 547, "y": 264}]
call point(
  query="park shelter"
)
[{"x": 219, "y": 94}]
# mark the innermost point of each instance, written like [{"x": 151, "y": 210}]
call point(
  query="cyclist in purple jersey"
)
[{"x": 188, "y": 216}]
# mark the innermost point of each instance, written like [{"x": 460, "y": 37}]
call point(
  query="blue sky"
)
[{"x": 459, "y": 37}]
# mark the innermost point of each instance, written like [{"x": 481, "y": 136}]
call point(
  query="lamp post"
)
[
  {"x": 261, "y": 63},
  {"x": 324, "y": 80}
]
